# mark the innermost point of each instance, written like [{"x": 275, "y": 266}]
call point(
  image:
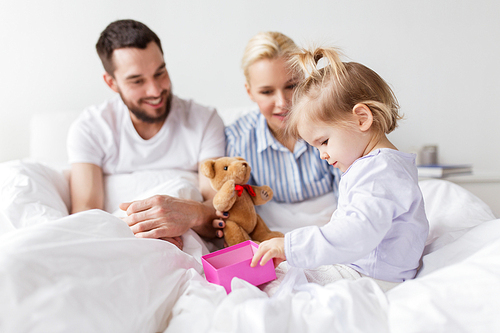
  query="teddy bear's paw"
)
[{"x": 265, "y": 195}]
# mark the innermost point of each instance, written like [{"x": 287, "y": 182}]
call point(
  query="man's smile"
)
[{"x": 154, "y": 102}]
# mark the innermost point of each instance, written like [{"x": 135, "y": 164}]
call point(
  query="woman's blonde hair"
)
[
  {"x": 266, "y": 45},
  {"x": 328, "y": 94}
]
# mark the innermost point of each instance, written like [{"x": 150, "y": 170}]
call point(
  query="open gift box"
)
[{"x": 221, "y": 266}]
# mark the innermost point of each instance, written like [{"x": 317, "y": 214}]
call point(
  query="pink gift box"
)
[{"x": 221, "y": 266}]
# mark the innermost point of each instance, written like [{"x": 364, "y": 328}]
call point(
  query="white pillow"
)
[
  {"x": 284, "y": 217},
  {"x": 31, "y": 193},
  {"x": 144, "y": 184},
  {"x": 451, "y": 211}
]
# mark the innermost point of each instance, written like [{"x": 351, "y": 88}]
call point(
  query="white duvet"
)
[{"x": 88, "y": 273}]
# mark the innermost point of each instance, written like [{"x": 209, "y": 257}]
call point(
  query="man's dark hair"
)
[{"x": 122, "y": 34}]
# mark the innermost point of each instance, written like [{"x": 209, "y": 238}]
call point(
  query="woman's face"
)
[{"x": 271, "y": 86}]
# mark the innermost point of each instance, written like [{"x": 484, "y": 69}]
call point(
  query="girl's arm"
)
[
  {"x": 373, "y": 194},
  {"x": 273, "y": 248}
]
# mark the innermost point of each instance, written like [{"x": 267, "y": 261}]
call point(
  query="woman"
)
[{"x": 302, "y": 183}]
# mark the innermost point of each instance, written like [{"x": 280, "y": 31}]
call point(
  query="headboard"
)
[{"x": 48, "y": 134}]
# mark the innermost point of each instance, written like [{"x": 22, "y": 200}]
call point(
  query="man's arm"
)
[
  {"x": 165, "y": 216},
  {"x": 212, "y": 226},
  {"x": 206, "y": 189},
  {"x": 86, "y": 186}
]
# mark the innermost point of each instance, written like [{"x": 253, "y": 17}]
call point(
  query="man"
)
[{"x": 144, "y": 127}]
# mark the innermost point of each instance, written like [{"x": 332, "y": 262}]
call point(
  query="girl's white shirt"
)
[{"x": 379, "y": 227}]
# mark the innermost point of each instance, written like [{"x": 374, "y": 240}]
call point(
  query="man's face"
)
[{"x": 141, "y": 78}]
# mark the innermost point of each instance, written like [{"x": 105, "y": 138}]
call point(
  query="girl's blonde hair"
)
[
  {"x": 266, "y": 45},
  {"x": 328, "y": 94}
]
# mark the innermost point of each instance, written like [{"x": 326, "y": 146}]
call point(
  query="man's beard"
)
[{"x": 141, "y": 115}]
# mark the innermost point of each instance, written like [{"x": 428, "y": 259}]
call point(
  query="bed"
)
[{"x": 88, "y": 273}]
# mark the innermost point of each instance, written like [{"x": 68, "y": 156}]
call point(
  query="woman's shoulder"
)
[{"x": 244, "y": 126}]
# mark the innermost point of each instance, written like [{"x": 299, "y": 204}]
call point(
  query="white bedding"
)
[{"x": 88, "y": 273}]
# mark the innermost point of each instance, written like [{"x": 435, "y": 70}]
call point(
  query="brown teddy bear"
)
[{"x": 228, "y": 176}]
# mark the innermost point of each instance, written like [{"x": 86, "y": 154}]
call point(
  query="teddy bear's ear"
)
[{"x": 207, "y": 169}]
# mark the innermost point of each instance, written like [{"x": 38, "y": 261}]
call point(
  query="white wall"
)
[{"x": 440, "y": 56}]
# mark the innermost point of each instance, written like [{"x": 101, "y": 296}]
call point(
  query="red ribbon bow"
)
[{"x": 239, "y": 189}]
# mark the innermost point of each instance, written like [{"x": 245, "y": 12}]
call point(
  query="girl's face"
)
[
  {"x": 340, "y": 145},
  {"x": 271, "y": 86}
]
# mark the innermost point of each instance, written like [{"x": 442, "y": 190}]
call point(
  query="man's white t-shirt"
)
[{"x": 105, "y": 136}]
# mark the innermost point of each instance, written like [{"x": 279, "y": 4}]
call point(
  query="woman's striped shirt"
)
[{"x": 293, "y": 176}]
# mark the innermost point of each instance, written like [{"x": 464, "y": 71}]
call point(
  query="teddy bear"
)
[{"x": 228, "y": 176}]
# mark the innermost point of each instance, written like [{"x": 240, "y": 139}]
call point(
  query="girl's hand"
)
[{"x": 273, "y": 248}]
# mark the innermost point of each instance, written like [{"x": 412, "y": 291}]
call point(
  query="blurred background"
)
[{"x": 440, "y": 57}]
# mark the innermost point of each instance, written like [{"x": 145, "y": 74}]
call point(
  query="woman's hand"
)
[
  {"x": 220, "y": 223},
  {"x": 273, "y": 248}
]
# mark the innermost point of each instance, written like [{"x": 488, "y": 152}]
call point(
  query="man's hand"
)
[
  {"x": 163, "y": 216},
  {"x": 177, "y": 241}
]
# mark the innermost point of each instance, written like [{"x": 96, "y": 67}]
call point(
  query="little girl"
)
[{"x": 379, "y": 228}]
